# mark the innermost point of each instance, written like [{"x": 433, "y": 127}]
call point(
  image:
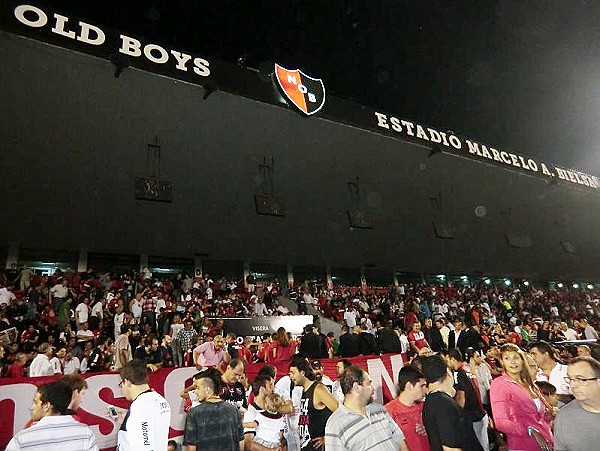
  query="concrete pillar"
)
[
  {"x": 290, "y": 275},
  {"x": 246, "y": 273},
  {"x": 329, "y": 277},
  {"x": 197, "y": 266},
  {"x": 143, "y": 261},
  {"x": 13, "y": 255},
  {"x": 363, "y": 279},
  {"x": 82, "y": 262}
]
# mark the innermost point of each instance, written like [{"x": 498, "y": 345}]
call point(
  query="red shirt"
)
[
  {"x": 263, "y": 351},
  {"x": 417, "y": 339},
  {"x": 282, "y": 353},
  {"x": 15, "y": 370},
  {"x": 407, "y": 418},
  {"x": 245, "y": 355}
]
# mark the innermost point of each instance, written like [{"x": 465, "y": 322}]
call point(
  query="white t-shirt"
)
[
  {"x": 282, "y": 388},
  {"x": 41, "y": 366},
  {"x": 146, "y": 426},
  {"x": 404, "y": 344},
  {"x": 118, "y": 321},
  {"x": 72, "y": 365},
  {"x": 160, "y": 303},
  {"x": 260, "y": 309},
  {"x": 82, "y": 312},
  {"x": 59, "y": 291},
  {"x": 250, "y": 416},
  {"x": 136, "y": 309},
  {"x": 85, "y": 335},
  {"x": 98, "y": 310},
  {"x": 308, "y": 299},
  {"x": 350, "y": 318},
  {"x": 269, "y": 426},
  {"x": 175, "y": 328},
  {"x": 336, "y": 391},
  {"x": 122, "y": 344},
  {"x": 49, "y": 434},
  {"x": 282, "y": 309},
  {"x": 557, "y": 378},
  {"x": 6, "y": 296},
  {"x": 570, "y": 334},
  {"x": 327, "y": 382}
]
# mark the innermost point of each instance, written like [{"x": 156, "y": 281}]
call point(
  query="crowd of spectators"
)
[
  {"x": 79, "y": 322},
  {"x": 75, "y": 322},
  {"x": 488, "y": 315}
]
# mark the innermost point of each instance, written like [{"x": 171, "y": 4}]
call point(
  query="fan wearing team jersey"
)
[
  {"x": 416, "y": 338},
  {"x": 146, "y": 425},
  {"x": 233, "y": 391}
]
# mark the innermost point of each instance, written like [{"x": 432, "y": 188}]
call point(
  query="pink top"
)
[
  {"x": 514, "y": 410},
  {"x": 207, "y": 355}
]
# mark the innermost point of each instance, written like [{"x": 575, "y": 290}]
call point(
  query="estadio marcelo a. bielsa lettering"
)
[
  {"x": 453, "y": 142},
  {"x": 89, "y": 34}
]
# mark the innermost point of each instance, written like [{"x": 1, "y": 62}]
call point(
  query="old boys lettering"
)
[{"x": 86, "y": 33}]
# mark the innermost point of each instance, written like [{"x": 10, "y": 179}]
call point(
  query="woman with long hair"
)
[
  {"x": 282, "y": 349},
  {"x": 519, "y": 408}
]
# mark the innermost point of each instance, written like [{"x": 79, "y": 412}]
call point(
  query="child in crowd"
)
[
  {"x": 549, "y": 392},
  {"x": 270, "y": 424}
]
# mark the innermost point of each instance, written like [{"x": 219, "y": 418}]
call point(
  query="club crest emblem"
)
[{"x": 307, "y": 94}]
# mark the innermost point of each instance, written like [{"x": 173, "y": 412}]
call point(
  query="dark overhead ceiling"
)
[
  {"x": 518, "y": 74},
  {"x": 74, "y": 137}
]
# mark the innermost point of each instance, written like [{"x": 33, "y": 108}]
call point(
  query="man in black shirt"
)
[
  {"x": 316, "y": 406},
  {"x": 233, "y": 347},
  {"x": 433, "y": 334},
  {"x": 311, "y": 344},
  {"x": 467, "y": 396},
  {"x": 349, "y": 343},
  {"x": 445, "y": 422},
  {"x": 464, "y": 336},
  {"x": 388, "y": 340},
  {"x": 368, "y": 345},
  {"x": 97, "y": 357},
  {"x": 150, "y": 353}
]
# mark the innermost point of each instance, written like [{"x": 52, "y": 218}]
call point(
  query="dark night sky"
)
[{"x": 521, "y": 75}]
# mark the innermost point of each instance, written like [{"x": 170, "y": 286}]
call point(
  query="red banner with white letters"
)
[{"x": 16, "y": 395}]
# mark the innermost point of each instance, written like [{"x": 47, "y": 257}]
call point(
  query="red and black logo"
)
[{"x": 306, "y": 93}]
